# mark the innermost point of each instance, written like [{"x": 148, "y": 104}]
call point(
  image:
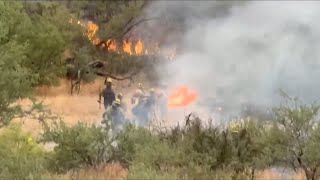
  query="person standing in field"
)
[
  {"x": 114, "y": 117},
  {"x": 138, "y": 95},
  {"x": 138, "y": 101},
  {"x": 107, "y": 94}
]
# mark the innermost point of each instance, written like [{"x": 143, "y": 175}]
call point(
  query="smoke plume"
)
[{"x": 244, "y": 52}]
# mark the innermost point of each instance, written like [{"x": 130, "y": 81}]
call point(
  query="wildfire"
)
[
  {"x": 139, "y": 47},
  {"x": 127, "y": 47},
  {"x": 92, "y": 29},
  {"x": 136, "y": 47},
  {"x": 182, "y": 96},
  {"x": 112, "y": 45}
]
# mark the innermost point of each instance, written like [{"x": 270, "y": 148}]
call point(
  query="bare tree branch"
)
[
  {"x": 136, "y": 24},
  {"x": 126, "y": 29},
  {"x": 104, "y": 74}
]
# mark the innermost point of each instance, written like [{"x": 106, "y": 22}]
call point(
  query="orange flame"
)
[
  {"x": 127, "y": 47},
  {"x": 182, "y": 96},
  {"x": 92, "y": 29},
  {"x": 137, "y": 48},
  {"x": 112, "y": 45}
]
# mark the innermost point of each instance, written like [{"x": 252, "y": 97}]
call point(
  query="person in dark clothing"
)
[
  {"x": 108, "y": 94},
  {"x": 114, "y": 117}
]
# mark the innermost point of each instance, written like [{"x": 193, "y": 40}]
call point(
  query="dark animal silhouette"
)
[{"x": 75, "y": 73}]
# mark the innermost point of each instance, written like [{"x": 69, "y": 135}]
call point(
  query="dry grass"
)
[
  {"x": 85, "y": 108},
  {"x": 116, "y": 172},
  {"x": 110, "y": 172},
  {"x": 72, "y": 109},
  {"x": 269, "y": 174}
]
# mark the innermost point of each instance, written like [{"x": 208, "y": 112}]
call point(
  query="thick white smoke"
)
[{"x": 249, "y": 53}]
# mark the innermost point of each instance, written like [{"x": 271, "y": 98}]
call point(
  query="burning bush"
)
[{"x": 182, "y": 96}]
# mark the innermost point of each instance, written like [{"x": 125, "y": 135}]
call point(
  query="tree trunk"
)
[
  {"x": 310, "y": 175},
  {"x": 252, "y": 173}
]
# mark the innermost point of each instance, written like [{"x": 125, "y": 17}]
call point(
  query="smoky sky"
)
[{"x": 244, "y": 52}]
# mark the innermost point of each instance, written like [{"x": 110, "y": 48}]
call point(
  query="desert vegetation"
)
[
  {"x": 241, "y": 149},
  {"x": 43, "y": 43}
]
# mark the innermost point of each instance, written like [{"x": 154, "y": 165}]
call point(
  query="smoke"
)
[{"x": 244, "y": 52}]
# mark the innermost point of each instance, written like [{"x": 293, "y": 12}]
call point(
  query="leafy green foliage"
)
[
  {"x": 33, "y": 37},
  {"x": 13, "y": 75},
  {"x": 77, "y": 146},
  {"x": 194, "y": 151},
  {"x": 141, "y": 141},
  {"x": 48, "y": 36},
  {"x": 21, "y": 156},
  {"x": 82, "y": 59},
  {"x": 293, "y": 135},
  {"x": 142, "y": 171}
]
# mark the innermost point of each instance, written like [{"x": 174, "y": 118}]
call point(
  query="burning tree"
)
[
  {"x": 109, "y": 36},
  {"x": 112, "y": 26}
]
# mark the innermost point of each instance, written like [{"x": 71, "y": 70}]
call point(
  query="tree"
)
[
  {"x": 112, "y": 23},
  {"x": 31, "y": 46},
  {"x": 15, "y": 79},
  {"x": 248, "y": 144},
  {"x": 293, "y": 137},
  {"x": 34, "y": 36},
  {"x": 49, "y": 35},
  {"x": 113, "y": 18}
]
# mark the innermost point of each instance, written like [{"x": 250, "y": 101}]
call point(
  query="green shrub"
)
[
  {"x": 151, "y": 156},
  {"x": 77, "y": 146},
  {"x": 143, "y": 171},
  {"x": 21, "y": 156},
  {"x": 142, "y": 146}
]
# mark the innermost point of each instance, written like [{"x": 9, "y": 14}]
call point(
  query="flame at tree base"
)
[{"x": 182, "y": 96}]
